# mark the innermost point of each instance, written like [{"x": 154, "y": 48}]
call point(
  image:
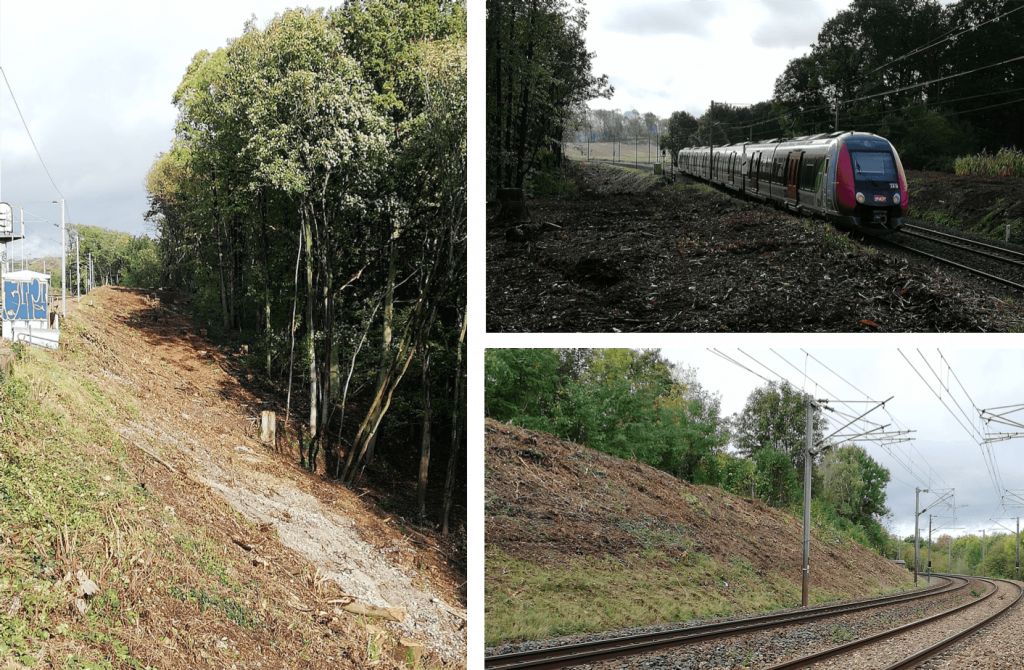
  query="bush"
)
[{"x": 1007, "y": 162}]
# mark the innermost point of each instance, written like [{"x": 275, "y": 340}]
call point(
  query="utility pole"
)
[
  {"x": 929, "y": 548},
  {"x": 23, "y": 238},
  {"x": 711, "y": 167},
  {"x": 78, "y": 268},
  {"x": 982, "y": 547},
  {"x": 805, "y": 581},
  {"x": 917, "y": 532},
  {"x": 1018, "y": 548},
  {"x": 63, "y": 261}
]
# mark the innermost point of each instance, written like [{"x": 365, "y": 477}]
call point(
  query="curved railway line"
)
[
  {"x": 570, "y": 655},
  {"x": 997, "y": 258}
]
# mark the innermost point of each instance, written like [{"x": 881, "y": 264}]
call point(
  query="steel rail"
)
[
  {"x": 994, "y": 247},
  {"x": 942, "y": 645},
  {"x": 979, "y": 252},
  {"x": 596, "y": 650},
  {"x": 955, "y": 264},
  {"x": 817, "y": 657}
]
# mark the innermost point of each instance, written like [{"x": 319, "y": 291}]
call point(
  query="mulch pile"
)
[
  {"x": 548, "y": 500},
  {"x": 630, "y": 252}
]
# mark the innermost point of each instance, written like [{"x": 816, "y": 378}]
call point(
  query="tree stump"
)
[
  {"x": 512, "y": 205},
  {"x": 268, "y": 428}
]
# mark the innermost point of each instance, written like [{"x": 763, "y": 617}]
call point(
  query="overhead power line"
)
[
  {"x": 29, "y": 132},
  {"x": 939, "y": 40}
]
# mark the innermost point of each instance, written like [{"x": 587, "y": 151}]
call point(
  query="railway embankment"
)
[
  {"x": 979, "y": 205},
  {"x": 579, "y": 542},
  {"x": 617, "y": 249}
]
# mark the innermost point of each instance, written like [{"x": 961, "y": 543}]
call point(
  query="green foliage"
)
[
  {"x": 313, "y": 204},
  {"x": 774, "y": 417},
  {"x": 854, "y": 484},
  {"x": 775, "y": 477},
  {"x": 118, "y": 258},
  {"x": 633, "y": 404},
  {"x": 1007, "y": 162}
]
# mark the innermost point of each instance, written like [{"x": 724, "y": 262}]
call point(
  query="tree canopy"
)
[{"x": 313, "y": 203}]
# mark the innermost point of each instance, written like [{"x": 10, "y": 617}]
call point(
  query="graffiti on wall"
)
[{"x": 25, "y": 300}]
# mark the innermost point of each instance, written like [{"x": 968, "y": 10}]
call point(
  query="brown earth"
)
[
  {"x": 979, "y": 204},
  {"x": 310, "y": 558},
  {"x": 628, "y": 252},
  {"x": 548, "y": 500}
]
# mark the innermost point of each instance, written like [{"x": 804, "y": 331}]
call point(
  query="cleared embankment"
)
[{"x": 579, "y": 541}]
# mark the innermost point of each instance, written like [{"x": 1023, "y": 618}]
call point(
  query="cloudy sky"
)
[
  {"x": 944, "y": 455},
  {"x": 666, "y": 55},
  {"x": 94, "y": 81}
]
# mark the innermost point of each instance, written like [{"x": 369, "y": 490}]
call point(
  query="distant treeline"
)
[
  {"x": 314, "y": 203},
  {"x": 117, "y": 258},
  {"x": 639, "y": 405},
  {"x": 867, "y": 62},
  {"x": 992, "y": 554}
]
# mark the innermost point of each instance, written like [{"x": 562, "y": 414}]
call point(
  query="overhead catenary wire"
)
[
  {"x": 32, "y": 140},
  {"x": 984, "y": 452}
]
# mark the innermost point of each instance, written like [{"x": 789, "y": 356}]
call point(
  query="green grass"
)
[
  {"x": 69, "y": 501},
  {"x": 527, "y": 601}
]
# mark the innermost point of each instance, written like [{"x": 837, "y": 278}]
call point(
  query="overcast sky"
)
[
  {"x": 667, "y": 55},
  {"x": 95, "y": 80},
  {"x": 943, "y": 454}
]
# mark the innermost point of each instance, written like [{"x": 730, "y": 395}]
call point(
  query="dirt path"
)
[{"x": 196, "y": 418}]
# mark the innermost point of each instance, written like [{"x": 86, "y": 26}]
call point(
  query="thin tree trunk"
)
[
  {"x": 453, "y": 454},
  {"x": 387, "y": 335},
  {"x": 348, "y": 380},
  {"x": 421, "y": 489},
  {"x": 291, "y": 328},
  {"x": 267, "y": 328},
  {"x": 310, "y": 327}
]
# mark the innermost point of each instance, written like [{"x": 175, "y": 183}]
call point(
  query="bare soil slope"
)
[
  {"x": 218, "y": 552},
  {"x": 978, "y": 204},
  {"x": 627, "y": 252},
  {"x": 557, "y": 506}
]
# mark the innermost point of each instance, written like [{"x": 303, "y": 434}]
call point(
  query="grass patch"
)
[
  {"x": 70, "y": 501},
  {"x": 552, "y": 183},
  {"x": 527, "y": 601}
]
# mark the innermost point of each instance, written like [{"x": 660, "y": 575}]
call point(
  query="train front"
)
[{"x": 871, "y": 187}]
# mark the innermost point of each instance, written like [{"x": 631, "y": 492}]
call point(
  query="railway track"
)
[
  {"x": 998, "y": 258},
  {"x": 600, "y": 650},
  {"x": 917, "y": 657}
]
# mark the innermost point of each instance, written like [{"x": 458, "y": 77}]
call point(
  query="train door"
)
[
  {"x": 754, "y": 166},
  {"x": 793, "y": 175}
]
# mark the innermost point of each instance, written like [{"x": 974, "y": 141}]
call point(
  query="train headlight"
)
[
  {"x": 860, "y": 197},
  {"x": 895, "y": 198}
]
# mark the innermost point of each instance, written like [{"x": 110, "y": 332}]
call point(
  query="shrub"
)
[{"x": 1007, "y": 162}]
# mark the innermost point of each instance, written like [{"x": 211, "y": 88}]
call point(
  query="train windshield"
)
[{"x": 873, "y": 166}]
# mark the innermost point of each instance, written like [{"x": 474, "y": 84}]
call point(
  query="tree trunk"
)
[
  {"x": 421, "y": 489},
  {"x": 291, "y": 328},
  {"x": 267, "y": 327},
  {"x": 310, "y": 327},
  {"x": 387, "y": 334},
  {"x": 453, "y": 454}
]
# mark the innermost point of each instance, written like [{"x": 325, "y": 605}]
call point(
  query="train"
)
[{"x": 854, "y": 179}]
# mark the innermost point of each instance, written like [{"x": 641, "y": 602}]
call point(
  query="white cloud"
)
[
  {"x": 95, "y": 82},
  {"x": 665, "y": 17}
]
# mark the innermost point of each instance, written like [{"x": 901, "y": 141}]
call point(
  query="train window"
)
[{"x": 873, "y": 165}]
